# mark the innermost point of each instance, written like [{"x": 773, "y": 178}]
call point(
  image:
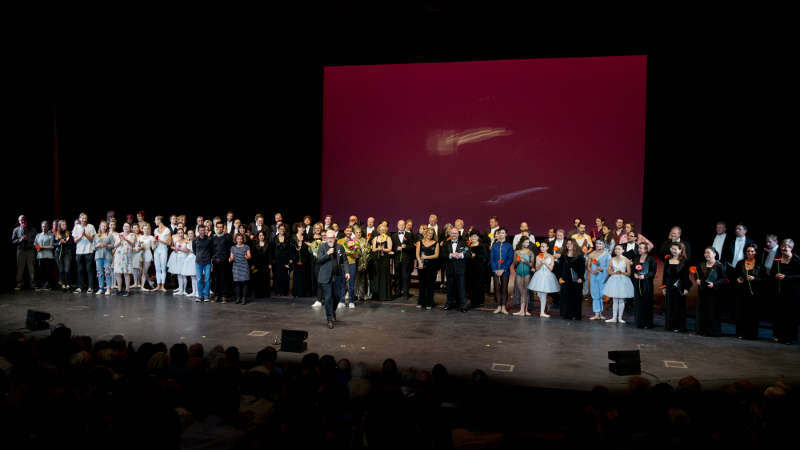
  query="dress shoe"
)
[
  {"x": 330, "y": 324},
  {"x": 445, "y": 307},
  {"x": 463, "y": 309}
]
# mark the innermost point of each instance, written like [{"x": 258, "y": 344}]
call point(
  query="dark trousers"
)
[
  {"x": 643, "y": 301},
  {"x": 571, "y": 300},
  {"x": 64, "y": 262},
  {"x": 218, "y": 269},
  {"x": 501, "y": 290},
  {"x": 330, "y": 297},
  {"x": 402, "y": 275},
  {"x": 786, "y": 322},
  {"x": 46, "y": 271},
  {"x": 85, "y": 272},
  {"x": 457, "y": 290},
  {"x": 25, "y": 257},
  {"x": 475, "y": 290},
  {"x": 427, "y": 283}
]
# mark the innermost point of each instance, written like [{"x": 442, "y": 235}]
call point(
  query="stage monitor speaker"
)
[
  {"x": 37, "y": 320},
  {"x": 294, "y": 341},
  {"x": 626, "y": 362}
]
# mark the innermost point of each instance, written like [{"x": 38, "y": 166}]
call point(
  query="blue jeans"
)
[
  {"x": 104, "y": 273},
  {"x": 351, "y": 285},
  {"x": 203, "y": 276}
]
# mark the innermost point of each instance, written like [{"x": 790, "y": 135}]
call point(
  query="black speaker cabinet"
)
[
  {"x": 37, "y": 320},
  {"x": 626, "y": 362},
  {"x": 294, "y": 341}
]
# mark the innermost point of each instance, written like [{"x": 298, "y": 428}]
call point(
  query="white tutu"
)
[
  {"x": 543, "y": 280},
  {"x": 175, "y": 262},
  {"x": 618, "y": 286},
  {"x": 189, "y": 268}
]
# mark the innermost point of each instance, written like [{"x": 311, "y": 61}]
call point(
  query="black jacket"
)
[{"x": 455, "y": 266}]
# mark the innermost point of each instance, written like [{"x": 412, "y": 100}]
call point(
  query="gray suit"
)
[{"x": 330, "y": 278}]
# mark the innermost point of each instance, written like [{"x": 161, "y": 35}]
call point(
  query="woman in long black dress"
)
[
  {"x": 427, "y": 253},
  {"x": 477, "y": 265},
  {"x": 786, "y": 273},
  {"x": 281, "y": 261},
  {"x": 710, "y": 276},
  {"x": 301, "y": 262},
  {"x": 381, "y": 246},
  {"x": 261, "y": 252},
  {"x": 65, "y": 255},
  {"x": 748, "y": 276},
  {"x": 644, "y": 271},
  {"x": 676, "y": 288},
  {"x": 571, "y": 280}
]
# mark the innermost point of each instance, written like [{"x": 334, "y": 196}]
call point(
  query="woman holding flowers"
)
[
  {"x": 748, "y": 276},
  {"x": 710, "y": 276},
  {"x": 361, "y": 253},
  {"x": 644, "y": 271},
  {"x": 676, "y": 287},
  {"x": 596, "y": 265},
  {"x": 786, "y": 273},
  {"x": 618, "y": 286},
  {"x": 544, "y": 281},
  {"x": 382, "y": 246},
  {"x": 427, "y": 254},
  {"x": 523, "y": 261}
]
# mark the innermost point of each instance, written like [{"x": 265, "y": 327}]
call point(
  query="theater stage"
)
[{"x": 549, "y": 353}]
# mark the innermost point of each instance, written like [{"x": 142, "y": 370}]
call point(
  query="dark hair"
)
[
  {"x": 716, "y": 254},
  {"x": 521, "y": 240},
  {"x": 740, "y": 224},
  {"x": 494, "y": 218},
  {"x": 752, "y": 245},
  {"x": 202, "y": 225}
]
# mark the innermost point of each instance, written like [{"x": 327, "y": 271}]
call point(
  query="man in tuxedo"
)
[
  {"x": 735, "y": 248},
  {"x": 369, "y": 231},
  {"x": 675, "y": 236},
  {"x": 494, "y": 225},
  {"x": 721, "y": 242},
  {"x": 331, "y": 262},
  {"x": 523, "y": 231},
  {"x": 278, "y": 221},
  {"x": 404, "y": 255},
  {"x": 173, "y": 224},
  {"x": 771, "y": 251},
  {"x": 462, "y": 233},
  {"x": 456, "y": 253},
  {"x": 200, "y": 220},
  {"x": 230, "y": 229},
  {"x": 259, "y": 226},
  {"x": 630, "y": 248},
  {"x": 433, "y": 222}
]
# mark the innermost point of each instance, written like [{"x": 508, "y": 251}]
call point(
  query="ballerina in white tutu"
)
[
  {"x": 544, "y": 280},
  {"x": 176, "y": 260},
  {"x": 619, "y": 285},
  {"x": 189, "y": 268}
]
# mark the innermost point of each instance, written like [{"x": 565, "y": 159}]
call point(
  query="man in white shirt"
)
[
  {"x": 721, "y": 241},
  {"x": 370, "y": 228},
  {"x": 433, "y": 222},
  {"x": 459, "y": 225},
  {"x": 83, "y": 234},
  {"x": 278, "y": 221},
  {"x": 307, "y": 226},
  {"x": 229, "y": 225},
  {"x": 494, "y": 225},
  {"x": 173, "y": 224},
  {"x": 770, "y": 252},
  {"x": 523, "y": 231},
  {"x": 739, "y": 243}
]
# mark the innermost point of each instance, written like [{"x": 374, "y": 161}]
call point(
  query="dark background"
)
[{"x": 216, "y": 115}]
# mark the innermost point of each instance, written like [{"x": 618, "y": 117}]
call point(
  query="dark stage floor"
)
[{"x": 550, "y": 353}]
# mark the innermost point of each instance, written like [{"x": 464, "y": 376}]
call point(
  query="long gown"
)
[
  {"x": 477, "y": 265},
  {"x": 301, "y": 275},
  {"x": 383, "y": 279},
  {"x": 748, "y": 299},
  {"x": 787, "y": 299},
  {"x": 675, "y": 279},
  {"x": 260, "y": 257},
  {"x": 707, "y": 321}
]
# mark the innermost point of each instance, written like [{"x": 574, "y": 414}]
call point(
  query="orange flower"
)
[
  {"x": 667, "y": 257},
  {"x": 594, "y": 261},
  {"x": 519, "y": 258},
  {"x": 693, "y": 269},
  {"x": 555, "y": 249}
]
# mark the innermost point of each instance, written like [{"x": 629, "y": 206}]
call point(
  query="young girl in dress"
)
[
  {"x": 136, "y": 256},
  {"x": 544, "y": 281},
  {"x": 123, "y": 259},
  {"x": 189, "y": 269},
  {"x": 176, "y": 259},
  {"x": 163, "y": 240},
  {"x": 523, "y": 261},
  {"x": 619, "y": 285},
  {"x": 146, "y": 243},
  {"x": 596, "y": 265}
]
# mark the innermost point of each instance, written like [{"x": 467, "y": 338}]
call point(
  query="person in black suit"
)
[
  {"x": 748, "y": 280},
  {"x": 644, "y": 272},
  {"x": 721, "y": 242},
  {"x": 675, "y": 237},
  {"x": 331, "y": 260},
  {"x": 456, "y": 253},
  {"x": 229, "y": 223},
  {"x": 571, "y": 279},
  {"x": 278, "y": 221},
  {"x": 630, "y": 249},
  {"x": 259, "y": 226},
  {"x": 404, "y": 254}
]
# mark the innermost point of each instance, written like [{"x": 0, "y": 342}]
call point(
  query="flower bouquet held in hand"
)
[{"x": 639, "y": 270}]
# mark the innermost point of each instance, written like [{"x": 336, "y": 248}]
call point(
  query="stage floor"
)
[{"x": 531, "y": 351}]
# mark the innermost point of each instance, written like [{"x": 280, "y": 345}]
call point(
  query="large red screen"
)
[{"x": 542, "y": 140}]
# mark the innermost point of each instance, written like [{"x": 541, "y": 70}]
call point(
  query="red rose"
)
[{"x": 638, "y": 267}]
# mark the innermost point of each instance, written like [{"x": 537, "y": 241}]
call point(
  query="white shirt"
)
[
  {"x": 455, "y": 245},
  {"x": 370, "y": 230},
  {"x": 435, "y": 228},
  {"x": 518, "y": 237},
  {"x": 400, "y": 236},
  {"x": 228, "y": 226},
  {"x": 558, "y": 243},
  {"x": 738, "y": 250},
  {"x": 630, "y": 246},
  {"x": 83, "y": 246},
  {"x": 719, "y": 243}
]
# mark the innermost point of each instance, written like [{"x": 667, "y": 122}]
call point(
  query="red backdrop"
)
[{"x": 542, "y": 140}]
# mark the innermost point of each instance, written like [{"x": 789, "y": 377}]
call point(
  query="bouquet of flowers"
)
[
  {"x": 365, "y": 252},
  {"x": 314, "y": 246},
  {"x": 640, "y": 271}
]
